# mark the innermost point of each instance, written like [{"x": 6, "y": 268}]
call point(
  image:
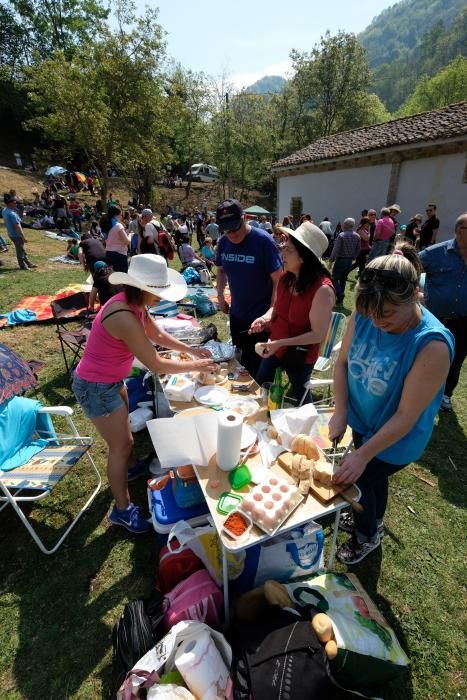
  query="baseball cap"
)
[
  {"x": 229, "y": 215},
  {"x": 146, "y": 212},
  {"x": 99, "y": 264},
  {"x": 7, "y": 198}
]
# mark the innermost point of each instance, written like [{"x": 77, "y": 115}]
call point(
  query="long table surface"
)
[{"x": 310, "y": 508}]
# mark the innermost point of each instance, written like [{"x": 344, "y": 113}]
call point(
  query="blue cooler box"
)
[{"x": 165, "y": 512}]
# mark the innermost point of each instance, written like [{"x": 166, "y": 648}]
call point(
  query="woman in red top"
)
[{"x": 301, "y": 313}]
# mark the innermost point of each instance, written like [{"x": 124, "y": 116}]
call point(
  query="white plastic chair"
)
[
  {"x": 44, "y": 471},
  {"x": 322, "y": 374}
]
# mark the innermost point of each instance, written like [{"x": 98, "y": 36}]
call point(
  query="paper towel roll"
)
[
  {"x": 202, "y": 667},
  {"x": 229, "y": 436}
]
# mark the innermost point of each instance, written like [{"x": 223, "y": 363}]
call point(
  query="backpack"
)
[
  {"x": 204, "y": 305},
  {"x": 277, "y": 657},
  {"x": 196, "y": 598},
  {"x": 175, "y": 565},
  {"x": 191, "y": 276},
  {"x": 136, "y": 632},
  {"x": 167, "y": 244}
]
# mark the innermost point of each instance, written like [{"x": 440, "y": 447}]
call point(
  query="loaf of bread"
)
[
  {"x": 324, "y": 471},
  {"x": 277, "y": 594},
  {"x": 304, "y": 486},
  {"x": 305, "y": 445}
]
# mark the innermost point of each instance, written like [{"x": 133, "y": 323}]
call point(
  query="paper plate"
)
[
  {"x": 211, "y": 395},
  {"x": 244, "y": 406}
]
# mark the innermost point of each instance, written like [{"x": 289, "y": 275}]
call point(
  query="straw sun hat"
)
[
  {"x": 150, "y": 273},
  {"x": 310, "y": 236}
]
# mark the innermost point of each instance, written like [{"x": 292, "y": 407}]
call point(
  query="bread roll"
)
[
  {"x": 304, "y": 486},
  {"x": 305, "y": 445},
  {"x": 331, "y": 649},
  {"x": 322, "y": 625},
  {"x": 259, "y": 348}
]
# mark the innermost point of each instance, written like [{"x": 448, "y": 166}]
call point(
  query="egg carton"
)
[{"x": 270, "y": 503}]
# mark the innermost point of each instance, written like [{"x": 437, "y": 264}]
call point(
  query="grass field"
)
[{"x": 58, "y": 612}]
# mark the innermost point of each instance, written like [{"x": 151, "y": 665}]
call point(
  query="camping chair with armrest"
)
[
  {"x": 53, "y": 456},
  {"x": 322, "y": 374},
  {"x": 72, "y": 310}
]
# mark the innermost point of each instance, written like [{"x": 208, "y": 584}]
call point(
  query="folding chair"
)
[
  {"x": 43, "y": 471},
  {"x": 321, "y": 376},
  {"x": 72, "y": 340}
]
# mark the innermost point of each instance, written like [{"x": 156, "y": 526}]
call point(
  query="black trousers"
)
[
  {"x": 241, "y": 339},
  {"x": 458, "y": 327}
]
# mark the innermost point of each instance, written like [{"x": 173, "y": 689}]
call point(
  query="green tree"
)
[
  {"x": 191, "y": 106},
  {"x": 330, "y": 83},
  {"x": 106, "y": 100},
  {"x": 59, "y": 24},
  {"x": 446, "y": 87}
]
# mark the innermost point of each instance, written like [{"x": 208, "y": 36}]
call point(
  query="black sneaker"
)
[
  {"x": 347, "y": 523},
  {"x": 353, "y": 551}
]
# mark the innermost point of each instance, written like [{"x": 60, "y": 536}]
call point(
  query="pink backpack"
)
[{"x": 196, "y": 598}]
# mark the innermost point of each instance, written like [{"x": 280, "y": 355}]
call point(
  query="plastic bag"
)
[
  {"x": 369, "y": 654},
  {"x": 205, "y": 543}
]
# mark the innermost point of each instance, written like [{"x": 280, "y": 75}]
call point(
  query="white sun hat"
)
[
  {"x": 150, "y": 273},
  {"x": 311, "y": 237}
]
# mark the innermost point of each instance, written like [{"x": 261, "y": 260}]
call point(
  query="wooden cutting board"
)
[{"x": 323, "y": 493}]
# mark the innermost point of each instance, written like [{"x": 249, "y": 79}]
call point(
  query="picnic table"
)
[{"x": 214, "y": 481}]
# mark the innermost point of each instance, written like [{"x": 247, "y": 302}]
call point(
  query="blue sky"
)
[{"x": 247, "y": 39}]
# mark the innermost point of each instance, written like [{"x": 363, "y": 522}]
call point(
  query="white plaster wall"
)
[
  {"x": 342, "y": 193},
  {"x": 335, "y": 194},
  {"x": 437, "y": 180}
]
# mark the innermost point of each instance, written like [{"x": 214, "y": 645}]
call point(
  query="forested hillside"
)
[{"x": 411, "y": 39}]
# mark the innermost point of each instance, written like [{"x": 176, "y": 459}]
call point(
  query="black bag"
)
[
  {"x": 136, "y": 632},
  {"x": 279, "y": 658},
  {"x": 296, "y": 355}
]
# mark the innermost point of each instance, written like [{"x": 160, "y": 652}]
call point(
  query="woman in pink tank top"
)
[{"x": 121, "y": 331}]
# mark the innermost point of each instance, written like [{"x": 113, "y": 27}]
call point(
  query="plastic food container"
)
[
  {"x": 228, "y": 502},
  {"x": 270, "y": 503},
  {"x": 239, "y": 477},
  {"x": 248, "y": 525}
]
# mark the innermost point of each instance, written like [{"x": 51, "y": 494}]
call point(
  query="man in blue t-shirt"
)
[
  {"x": 247, "y": 258},
  {"x": 15, "y": 231}
]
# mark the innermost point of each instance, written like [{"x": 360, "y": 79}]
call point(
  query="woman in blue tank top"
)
[{"x": 388, "y": 384}]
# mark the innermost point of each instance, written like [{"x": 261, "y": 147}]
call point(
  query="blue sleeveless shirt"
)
[{"x": 378, "y": 363}]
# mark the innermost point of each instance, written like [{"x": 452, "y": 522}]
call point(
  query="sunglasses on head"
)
[{"x": 389, "y": 278}]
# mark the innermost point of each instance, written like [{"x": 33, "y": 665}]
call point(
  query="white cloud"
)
[{"x": 242, "y": 80}]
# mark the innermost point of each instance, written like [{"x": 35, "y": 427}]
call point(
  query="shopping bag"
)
[
  {"x": 205, "y": 543},
  {"x": 294, "y": 554},
  {"x": 196, "y": 598},
  {"x": 165, "y": 657},
  {"x": 369, "y": 654}
]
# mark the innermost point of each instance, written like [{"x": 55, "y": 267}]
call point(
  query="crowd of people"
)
[{"x": 400, "y": 359}]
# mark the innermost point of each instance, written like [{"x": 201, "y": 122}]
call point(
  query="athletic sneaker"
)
[
  {"x": 130, "y": 518},
  {"x": 353, "y": 551},
  {"x": 446, "y": 404},
  {"x": 140, "y": 469},
  {"x": 347, "y": 523}
]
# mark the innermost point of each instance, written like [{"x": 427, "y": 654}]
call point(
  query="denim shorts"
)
[{"x": 97, "y": 399}]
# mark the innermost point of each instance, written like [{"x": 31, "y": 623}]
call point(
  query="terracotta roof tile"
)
[{"x": 443, "y": 123}]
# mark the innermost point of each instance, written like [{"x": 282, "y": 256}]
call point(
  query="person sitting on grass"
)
[
  {"x": 122, "y": 330},
  {"x": 72, "y": 249}
]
